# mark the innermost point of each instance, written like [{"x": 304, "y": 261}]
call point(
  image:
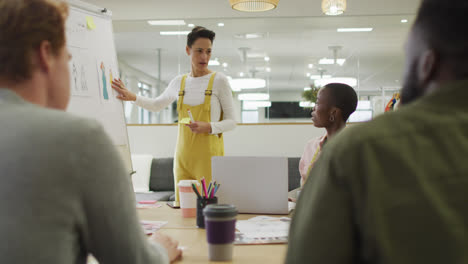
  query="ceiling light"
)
[
  {"x": 349, "y": 81},
  {"x": 268, "y": 69},
  {"x": 307, "y": 88},
  {"x": 247, "y": 83},
  {"x": 308, "y": 74},
  {"x": 249, "y": 35},
  {"x": 306, "y": 104},
  {"x": 220, "y": 24},
  {"x": 333, "y": 7},
  {"x": 267, "y": 58},
  {"x": 254, "y": 105},
  {"x": 191, "y": 25},
  {"x": 225, "y": 64},
  {"x": 316, "y": 77},
  {"x": 166, "y": 22},
  {"x": 404, "y": 21},
  {"x": 354, "y": 29},
  {"x": 173, "y": 33},
  {"x": 254, "y": 97},
  {"x": 241, "y": 74},
  {"x": 311, "y": 66},
  {"x": 253, "y": 5},
  {"x": 326, "y": 61},
  {"x": 214, "y": 62}
]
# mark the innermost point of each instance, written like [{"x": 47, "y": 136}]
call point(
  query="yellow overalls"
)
[{"x": 194, "y": 151}]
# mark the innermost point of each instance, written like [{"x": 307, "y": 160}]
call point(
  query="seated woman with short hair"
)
[{"x": 335, "y": 103}]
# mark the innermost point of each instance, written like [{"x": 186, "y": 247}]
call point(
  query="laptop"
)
[{"x": 257, "y": 185}]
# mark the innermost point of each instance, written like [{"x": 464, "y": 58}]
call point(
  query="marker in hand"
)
[{"x": 190, "y": 115}]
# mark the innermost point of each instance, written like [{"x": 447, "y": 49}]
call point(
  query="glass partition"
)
[{"x": 270, "y": 62}]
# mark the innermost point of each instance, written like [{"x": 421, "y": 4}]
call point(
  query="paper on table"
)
[
  {"x": 263, "y": 230},
  {"x": 148, "y": 206},
  {"x": 152, "y": 226}
]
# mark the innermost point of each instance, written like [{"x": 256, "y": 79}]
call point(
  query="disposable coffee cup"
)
[
  {"x": 201, "y": 204},
  {"x": 220, "y": 224},
  {"x": 188, "y": 198}
]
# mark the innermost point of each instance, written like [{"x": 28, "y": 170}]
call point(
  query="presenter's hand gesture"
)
[
  {"x": 169, "y": 244},
  {"x": 200, "y": 127},
  {"x": 124, "y": 93}
]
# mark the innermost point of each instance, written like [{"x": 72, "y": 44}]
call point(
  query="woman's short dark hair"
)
[
  {"x": 344, "y": 97},
  {"x": 199, "y": 32}
]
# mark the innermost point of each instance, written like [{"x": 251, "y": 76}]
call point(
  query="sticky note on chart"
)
[{"x": 90, "y": 23}]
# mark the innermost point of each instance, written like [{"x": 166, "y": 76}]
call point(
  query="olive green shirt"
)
[{"x": 393, "y": 190}]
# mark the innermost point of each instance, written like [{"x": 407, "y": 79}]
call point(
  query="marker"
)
[{"x": 190, "y": 115}]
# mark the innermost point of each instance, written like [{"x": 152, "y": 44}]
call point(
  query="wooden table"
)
[{"x": 193, "y": 239}]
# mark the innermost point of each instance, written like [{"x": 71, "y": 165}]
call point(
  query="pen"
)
[
  {"x": 190, "y": 115},
  {"x": 196, "y": 191}
]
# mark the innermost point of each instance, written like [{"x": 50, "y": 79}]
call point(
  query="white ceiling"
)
[{"x": 295, "y": 35}]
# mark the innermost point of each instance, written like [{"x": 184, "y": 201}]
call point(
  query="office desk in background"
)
[{"x": 193, "y": 239}]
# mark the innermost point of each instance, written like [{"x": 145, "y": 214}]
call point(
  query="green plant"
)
[{"x": 311, "y": 95}]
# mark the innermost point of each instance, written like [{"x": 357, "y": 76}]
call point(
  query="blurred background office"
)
[{"x": 272, "y": 57}]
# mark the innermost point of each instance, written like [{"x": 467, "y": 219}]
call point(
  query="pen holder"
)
[{"x": 201, "y": 203}]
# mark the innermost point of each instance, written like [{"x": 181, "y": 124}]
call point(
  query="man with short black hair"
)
[
  {"x": 394, "y": 190},
  {"x": 64, "y": 193}
]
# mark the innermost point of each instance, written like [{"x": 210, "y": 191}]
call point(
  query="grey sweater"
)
[{"x": 64, "y": 193}]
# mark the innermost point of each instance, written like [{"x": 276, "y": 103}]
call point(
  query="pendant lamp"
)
[
  {"x": 253, "y": 5},
  {"x": 333, "y": 7}
]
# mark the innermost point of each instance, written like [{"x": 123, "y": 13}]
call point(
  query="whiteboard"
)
[{"x": 93, "y": 65}]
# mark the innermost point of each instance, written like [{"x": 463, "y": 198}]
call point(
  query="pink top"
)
[{"x": 311, "y": 153}]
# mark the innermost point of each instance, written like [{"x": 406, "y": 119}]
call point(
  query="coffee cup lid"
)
[
  {"x": 188, "y": 183},
  {"x": 220, "y": 210}
]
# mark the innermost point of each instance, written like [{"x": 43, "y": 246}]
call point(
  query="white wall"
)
[{"x": 245, "y": 140}]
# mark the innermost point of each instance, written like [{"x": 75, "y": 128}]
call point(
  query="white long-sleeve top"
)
[{"x": 221, "y": 99}]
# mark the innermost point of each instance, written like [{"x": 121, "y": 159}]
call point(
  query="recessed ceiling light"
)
[
  {"x": 254, "y": 97},
  {"x": 311, "y": 66},
  {"x": 404, "y": 21},
  {"x": 247, "y": 83},
  {"x": 308, "y": 74},
  {"x": 307, "y": 88},
  {"x": 173, "y": 33},
  {"x": 191, "y": 25},
  {"x": 225, "y": 64},
  {"x": 267, "y": 58},
  {"x": 354, "y": 29},
  {"x": 241, "y": 74},
  {"x": 249, "y": 36},
  {"x": 220, "y": 24},
  {"x": 166, "y": 22},
  {"x": 268, "y": 69}
]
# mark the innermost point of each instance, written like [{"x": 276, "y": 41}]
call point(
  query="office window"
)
[
  {"x": 144, "y": 116},
  {"x": 363, "y": 112},
  {"x": 249, "y": 116}
]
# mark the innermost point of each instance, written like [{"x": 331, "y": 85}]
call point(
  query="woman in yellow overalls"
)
[{"x": 208, "y": 96}]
